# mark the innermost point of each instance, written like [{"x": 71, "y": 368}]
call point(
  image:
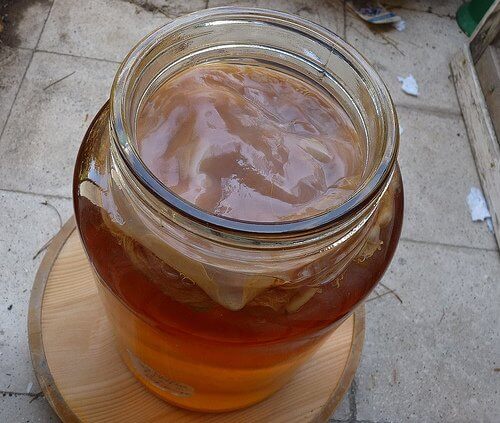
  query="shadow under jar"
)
[{"x": 213, "y": 313}]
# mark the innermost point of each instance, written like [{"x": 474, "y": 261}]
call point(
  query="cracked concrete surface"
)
[{"x": 429, "y": 356}]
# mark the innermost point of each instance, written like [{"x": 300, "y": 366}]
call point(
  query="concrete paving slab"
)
[
  {"x": 433, "y": 357},
  {"x": 429, "y": 359},
  {"x": 424, "y": 49},
  {"x": 330, "y": 14},
  {"x": 23, "y": 21},
  {"x": 21, "y": 408},
  {"x": 27, "y": 222},
  {"x": 13, "y": 63},
  {"x": 107, "y": 29},
  {"x": 438, "y": 171},
  {"x": 45, "y": 147},
  {"x": 343, "y": 411}
]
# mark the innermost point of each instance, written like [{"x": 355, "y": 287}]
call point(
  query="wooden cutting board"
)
[{"x": 84, "y": 379}]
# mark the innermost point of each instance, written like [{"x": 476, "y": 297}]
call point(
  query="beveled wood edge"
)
[
  {"x": 48, "y": 385},
  {"x": 352, "y": 363},
  {"x": 35, "y": 336}
]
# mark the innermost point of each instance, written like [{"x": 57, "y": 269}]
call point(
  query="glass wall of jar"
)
[{"x": 212, "y": 313}]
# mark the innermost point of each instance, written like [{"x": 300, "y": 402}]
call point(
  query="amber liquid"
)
[
  {"x": 205, "y": 356},
  {"x": 189, "y": 349}
]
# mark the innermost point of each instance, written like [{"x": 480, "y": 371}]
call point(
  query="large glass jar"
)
[{"x": 212, "y": 313}]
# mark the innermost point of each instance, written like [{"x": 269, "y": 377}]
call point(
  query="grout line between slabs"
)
[
  {"x": 443, "y": 244},
  {"x": 77, "y": 56},
  {"x": 438, "y": 111},
  {"x": 38, "y": 194},
  {"x": 26, "y": 71},
  {"x": 443, "y": 112},
  {"x": 404, "y": 239},
  {"x": 22, "y": 48}
]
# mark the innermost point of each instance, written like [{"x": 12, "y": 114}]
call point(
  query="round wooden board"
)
[{"x": 84, "y": 379}]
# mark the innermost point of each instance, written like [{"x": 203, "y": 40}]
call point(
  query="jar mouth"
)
[{"x": 310, "y": 49}]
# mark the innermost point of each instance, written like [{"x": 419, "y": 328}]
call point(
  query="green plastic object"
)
[{"x": 471, "y": 13}]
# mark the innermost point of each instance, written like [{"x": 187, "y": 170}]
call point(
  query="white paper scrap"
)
[
  {"x": 400, "y": 25},
  {"x": 477, "y": 205},
  {"x": 28, "y": 389},
  {"x": 409, "y": 85}
]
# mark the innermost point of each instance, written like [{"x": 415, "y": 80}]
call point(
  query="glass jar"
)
[{"x": 212, "y": 313}]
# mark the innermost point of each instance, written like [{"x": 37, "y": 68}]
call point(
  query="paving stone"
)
[
  {"x": 429, "y": 359},
  {"x": 27, "y": 222},
  {"x": 22, "y": 408},
  {"x": 107, "y": 29},
  {"x": 432, "y": 358},
  {"x": 343, "y": 411},
  {"x": 330, "y": 14},
  {"x": 23, "y": 21},
  {"x": 424, "y": 49},
  {"x": 438, "y": 171},
  {"x": 45, "y": 147},
  {"x": 13, "y": 63}
]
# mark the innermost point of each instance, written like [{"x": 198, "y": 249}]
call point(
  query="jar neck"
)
[{"x": 265, "y": 38}]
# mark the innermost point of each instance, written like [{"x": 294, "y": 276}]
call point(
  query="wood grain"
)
[
  {"x": 482, "y": 136},
  {"x": 81, "y": 374},
  {"x": 488, "y": 74},
  {"x": 486, "y": 31}
]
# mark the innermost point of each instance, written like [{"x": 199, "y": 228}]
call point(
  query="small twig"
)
[
  {"x": 378, "y": 33},
  {"x": 392, "y": 42},
  {"x": 496, "y": 369},
  {"x": 59, "y": 80},
  {"x": 159, "y": 9},
  {"x": 44, "y": 247},
  {"x": 442, "y": 317},
  {"x": 380, "y": 296},
  {"x": 36, "y": 396},
  {"x": 376, "y": 293},
  {"x": 46, "y": 203},
  {"x": 393, "y": 291}
]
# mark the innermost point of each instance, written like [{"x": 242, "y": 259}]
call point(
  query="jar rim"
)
[{"x": 125, "y": 145}]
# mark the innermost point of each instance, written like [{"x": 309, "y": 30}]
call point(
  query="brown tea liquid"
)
[{"x": 247, "y": 143}]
